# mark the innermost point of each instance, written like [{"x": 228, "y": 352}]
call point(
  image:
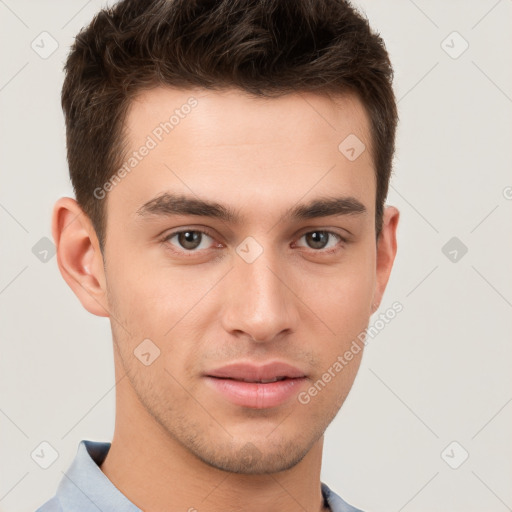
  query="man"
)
[{"x": 230, "y": 161}]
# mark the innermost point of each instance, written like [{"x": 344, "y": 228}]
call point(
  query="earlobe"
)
[
  {"x": 386, "y": 252},
  {"x": 78, "y": 255}
]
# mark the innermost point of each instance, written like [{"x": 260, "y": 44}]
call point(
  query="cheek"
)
[
  {"x": 343, "y": 299},
  {"x": 163, "y": 305},
  {"x": 153, "y": 294}
]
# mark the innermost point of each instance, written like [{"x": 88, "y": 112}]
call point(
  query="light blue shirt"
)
[{"x": 85, "y": 488}]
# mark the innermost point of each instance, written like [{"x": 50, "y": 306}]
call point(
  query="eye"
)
[
  {"x": 322, "y": 240},
  {"x": 189, "y": 240}
]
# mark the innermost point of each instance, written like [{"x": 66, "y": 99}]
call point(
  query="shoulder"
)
[
  {"x": 52, "y": 505},
  {"x": 337, "y": 503}
]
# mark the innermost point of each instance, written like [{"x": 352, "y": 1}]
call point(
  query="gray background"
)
[{"x": 438, "y": 373}]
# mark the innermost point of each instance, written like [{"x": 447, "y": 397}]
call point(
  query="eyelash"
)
[{"x": 190, "y": 253}]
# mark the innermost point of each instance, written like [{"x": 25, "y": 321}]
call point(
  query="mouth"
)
[
  {"x": 256, "y": 387},
  {"x": 260, "y": 381},
  {"x": 252, "y": 372}
]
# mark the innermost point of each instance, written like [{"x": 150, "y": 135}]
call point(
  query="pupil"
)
[
  {"x": 317, "y": 239},
  {"x": 189, "y": 239}
]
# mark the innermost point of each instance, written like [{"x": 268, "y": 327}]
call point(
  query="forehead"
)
[
  {"x": 234, "y": 117},
  {"x": 240, "y": 149}
]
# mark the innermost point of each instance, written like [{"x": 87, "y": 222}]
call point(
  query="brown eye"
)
[
  {"x": 189, "y": 240},
  {"x": 321, "y": 239},
  {"x": 317, "y": 239}
]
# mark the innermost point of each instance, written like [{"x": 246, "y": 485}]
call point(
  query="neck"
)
[{"x": 156, "y": 473}]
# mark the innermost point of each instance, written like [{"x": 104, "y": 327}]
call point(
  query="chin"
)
[{"x": 256, "y": 457}]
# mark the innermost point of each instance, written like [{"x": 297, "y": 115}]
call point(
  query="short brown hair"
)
[{"x": 264, "y": 47}]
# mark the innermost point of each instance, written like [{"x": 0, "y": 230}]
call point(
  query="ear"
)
[
  {"x": 386, "y": 252},
  {"x": 78, "y": 255}
]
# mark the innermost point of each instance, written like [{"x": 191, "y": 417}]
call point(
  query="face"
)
[{"x": 242, "y": 235}]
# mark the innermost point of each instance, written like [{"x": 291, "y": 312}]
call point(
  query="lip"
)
[
  {"x": 249, "y": 371},
  {"x": 228, "y": 381}
]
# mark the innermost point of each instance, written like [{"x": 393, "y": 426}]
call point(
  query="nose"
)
[{"x": 260, "y": 302}]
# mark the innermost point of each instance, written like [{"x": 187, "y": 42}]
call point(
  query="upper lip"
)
[{"x": 255, "y": 372}]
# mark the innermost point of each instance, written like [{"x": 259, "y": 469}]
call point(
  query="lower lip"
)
[{"x": 256, "y": 395}]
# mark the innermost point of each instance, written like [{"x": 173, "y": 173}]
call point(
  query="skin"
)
[{"x": 177, "y": 443}]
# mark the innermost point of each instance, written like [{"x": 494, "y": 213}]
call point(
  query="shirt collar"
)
[{"x": 86, "y": 488}]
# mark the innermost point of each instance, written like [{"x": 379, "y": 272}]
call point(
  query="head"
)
[{"x": 230, "y": 162}]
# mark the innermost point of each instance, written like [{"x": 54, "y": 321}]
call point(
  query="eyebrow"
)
[{"x": 167, "y": 204}]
